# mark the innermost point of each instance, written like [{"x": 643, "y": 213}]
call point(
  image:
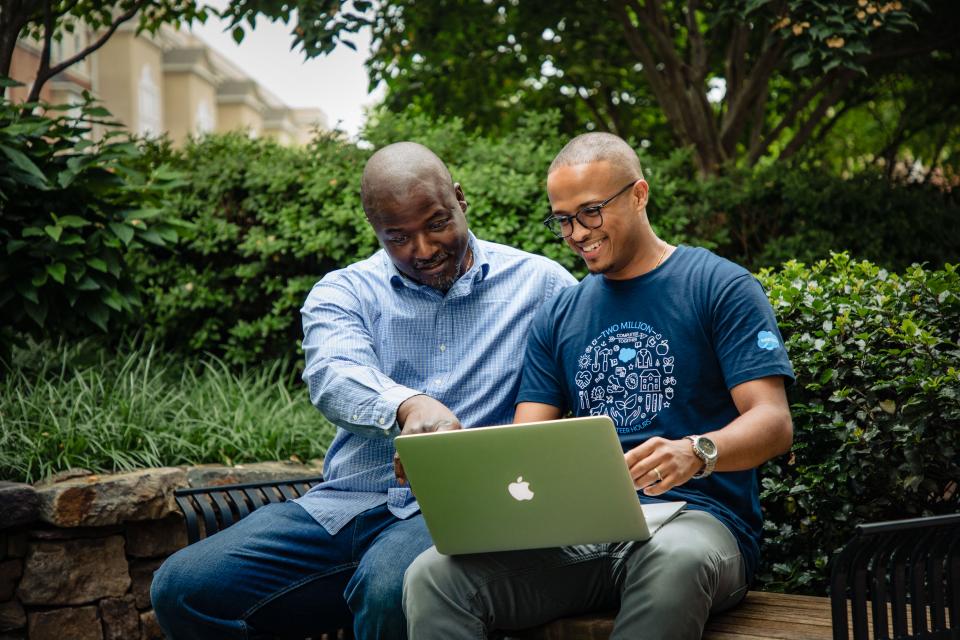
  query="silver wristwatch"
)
[{"x": 706, "y": 450}]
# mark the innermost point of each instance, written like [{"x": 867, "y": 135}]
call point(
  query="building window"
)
[
  {"x": 204, "y": 118},
  {"x": 148, "y": 99}
]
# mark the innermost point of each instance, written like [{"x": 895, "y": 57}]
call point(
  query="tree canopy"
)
[{"x": 737, "y": 80}]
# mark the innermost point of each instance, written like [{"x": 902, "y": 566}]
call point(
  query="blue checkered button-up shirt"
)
[{"x": 373, "y": 338}]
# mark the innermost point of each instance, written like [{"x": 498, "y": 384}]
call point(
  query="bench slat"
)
[{"x": 760, "y": 615}]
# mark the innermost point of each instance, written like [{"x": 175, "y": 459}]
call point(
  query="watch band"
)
[{"x": 709, "y": 462}]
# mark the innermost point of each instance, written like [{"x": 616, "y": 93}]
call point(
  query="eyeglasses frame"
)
[{"x": 590, "y": 212}]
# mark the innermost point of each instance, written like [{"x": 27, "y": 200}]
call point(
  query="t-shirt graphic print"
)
[{"x": 627, "y": 373}]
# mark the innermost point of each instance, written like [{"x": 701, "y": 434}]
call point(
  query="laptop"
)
[{"x": 527, "y": 486}]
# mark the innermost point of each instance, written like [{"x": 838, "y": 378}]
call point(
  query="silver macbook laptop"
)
[{"x": 527, "y": 486}]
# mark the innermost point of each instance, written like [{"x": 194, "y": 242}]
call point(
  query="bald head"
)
[
  {"x": 599, "y": 147},
  {"x": 399, "y": 169}
]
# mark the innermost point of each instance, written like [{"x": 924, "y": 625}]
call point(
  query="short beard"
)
[{"x": 445, "y": 282}]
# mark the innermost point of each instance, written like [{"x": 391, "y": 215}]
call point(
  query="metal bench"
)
[
  {"x": 208, "y": 510},
  {"x": 896, "y": 579}
]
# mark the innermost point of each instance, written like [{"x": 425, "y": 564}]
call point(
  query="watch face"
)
[{"x": 707, "y": 447}]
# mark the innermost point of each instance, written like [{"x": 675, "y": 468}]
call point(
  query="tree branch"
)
[
  {"x": 798, "y": 105},
  {"x": 48, "y": 22},
  {"x": 44, "y": 76},
  {"x": 754, "y": 83},
  {"x": 658, "y": 85},
  {"x": 736, "y": 52},
  {"x": 14, "y": 16},
  {"x": 698, "y": 51},
  {"x": 828, "y": 100}
]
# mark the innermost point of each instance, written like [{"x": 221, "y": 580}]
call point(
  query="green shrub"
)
[
  {"x": 268, "y": 221},
  {"x": 80, "y": 406},
  {"x": 876, "y": 409},
  {"x": 779, "y": 213},
  {"x": 71, "y": 212}
]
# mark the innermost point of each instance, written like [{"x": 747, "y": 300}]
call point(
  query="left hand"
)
[{"x": 673, "y": 459}]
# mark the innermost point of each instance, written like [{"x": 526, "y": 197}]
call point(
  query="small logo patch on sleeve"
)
[{"x": 767, "y": 340}]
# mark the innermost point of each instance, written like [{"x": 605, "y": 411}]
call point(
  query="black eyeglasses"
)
[{"x": 589, "y": 217}]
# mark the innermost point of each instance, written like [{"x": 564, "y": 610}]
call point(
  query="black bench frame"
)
[
  {"x": 897, "y": 572},
  {"x": 218, "y": 507}
]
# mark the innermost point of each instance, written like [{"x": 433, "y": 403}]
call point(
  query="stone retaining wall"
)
[{"x": 78, "y": 552}]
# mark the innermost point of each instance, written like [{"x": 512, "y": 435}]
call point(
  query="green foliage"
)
[
  {"x": 266, "y": 221},
  {"x": 876, "y": 408},
  {"x": 737, "y": 81},
  {"x": 72, "y": 212},
  {"x": 764, "y": 217},
  {"x": 81, "y": 406},
  {"x": 50, "y": 21}
]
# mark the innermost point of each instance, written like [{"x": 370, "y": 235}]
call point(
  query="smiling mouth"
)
[
  {"x": 431, "y": 267},
  {"x": 592, "y": 247}
]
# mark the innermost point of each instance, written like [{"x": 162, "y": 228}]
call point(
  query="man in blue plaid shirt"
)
[{"x": 426, "y": 334}]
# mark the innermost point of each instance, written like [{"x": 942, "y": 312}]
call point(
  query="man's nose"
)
[{"x": 423, "y": 249}]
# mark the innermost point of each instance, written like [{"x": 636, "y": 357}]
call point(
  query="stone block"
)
[
  {"x": 149, "y": 627},
  {"x": 141, "y": 576},
  {"x": 74, "y": 571},
  {"x": 121, "y": 620},
  {"x": 19, "y": 504},
  {"x": 10, "y": 572},
  {"x": 17, "y": 544},
  {"x": 156, "y": 538},
  {"x": 207, "y": 475},
  {"x": 104, "y": 500},
  {"x": 47, "y": 532},
  {"x": 12, "y": 616},
  {"x": 76, "y": 623}
]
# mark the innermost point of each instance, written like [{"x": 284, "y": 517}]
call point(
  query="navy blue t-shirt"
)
[{"x": 659, "y": 355}]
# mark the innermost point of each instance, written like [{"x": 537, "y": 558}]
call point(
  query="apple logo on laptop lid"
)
[{"x": 520, "y": 490}]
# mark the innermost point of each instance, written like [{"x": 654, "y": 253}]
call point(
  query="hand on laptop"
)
[
  {"x": 422, "y": 414},
  {"x": 659, "y": 465}
]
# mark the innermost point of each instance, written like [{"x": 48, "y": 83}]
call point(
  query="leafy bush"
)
[
  {"x": 876, "y": 408},
  {"x": 268, "y": 221},
  {"x": 71, "y": 211},
  {"x": 80, "y": 406},
  {"x": 780, "y": 213}
]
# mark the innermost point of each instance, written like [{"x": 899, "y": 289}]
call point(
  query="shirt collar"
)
[{"x": 477, "y": 272}]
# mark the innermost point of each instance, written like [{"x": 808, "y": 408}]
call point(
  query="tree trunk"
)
[{"x": 13, "y": 17}]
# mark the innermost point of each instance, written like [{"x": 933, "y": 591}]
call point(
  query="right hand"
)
[{"x": 422, "y": 414}]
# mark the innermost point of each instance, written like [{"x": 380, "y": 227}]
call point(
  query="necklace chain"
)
[{"x": 662, "y": 253}]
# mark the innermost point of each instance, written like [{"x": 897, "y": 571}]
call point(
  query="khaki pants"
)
[{"x": 665, "y": 587}]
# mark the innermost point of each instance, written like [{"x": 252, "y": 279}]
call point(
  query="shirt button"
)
[
  {"x": 443, "y": 347},
  {"x": 437, "y": 381},
  {"x": 356, "y": 417},
  {"x": 382, "y": 421}
]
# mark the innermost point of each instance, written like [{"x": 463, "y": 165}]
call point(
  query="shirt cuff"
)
[{"x": 391, "y": 399}]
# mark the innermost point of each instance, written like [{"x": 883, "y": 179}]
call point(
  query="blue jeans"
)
[{"x": 278, "y": 572}]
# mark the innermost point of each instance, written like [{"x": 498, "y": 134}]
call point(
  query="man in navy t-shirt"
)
[{"x": 680, "y": 348}]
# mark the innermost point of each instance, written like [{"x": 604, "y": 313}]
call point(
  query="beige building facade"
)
[{"x": 169, "y": 83}]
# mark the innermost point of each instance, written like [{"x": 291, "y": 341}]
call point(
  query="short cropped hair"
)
[
  {"x": 394, "y": 169},
  {"x": 599, "y": 147}
]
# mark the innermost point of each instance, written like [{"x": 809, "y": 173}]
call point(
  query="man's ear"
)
[
  {"x": 458, "y": 191},
  {"x": 641, "y": 193}
]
